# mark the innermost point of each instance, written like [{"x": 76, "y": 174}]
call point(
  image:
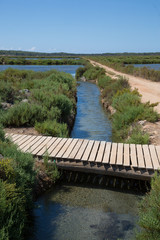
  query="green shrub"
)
[
  {"x": 122, "y": 119},
  {"x": 17, "y": 178},
  {"x": 149, "y": 214},
  {"x": 80, "y": 71},
  {"x": 104, "y": 81},
  {"x": 51, "y": 168},
  {"x": 129, "y": 110},
  {"x": 7, "y": 170},
  {"x": 7, "y": 92},
  {"x": 93, "y": 73},
  {"x": 138, "y": 137},
  {"x": 52, "y": 96},
  {"x": 64, "y": 104},
  {"x": 24, "y": 114},
  {"x": 52, "y": 128},
  {"x": 149, "y": 113},
  {"x": 12, "y": 212},
  {"x": 113, "y": 87},
  {"x": 2, "y": 134},
  {"x": 124, "y": 98}
]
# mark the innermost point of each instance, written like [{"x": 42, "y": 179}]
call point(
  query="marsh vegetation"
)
[{"x": 45, "y": 100}]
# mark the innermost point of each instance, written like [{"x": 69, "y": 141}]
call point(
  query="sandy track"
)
[{"x": 149, "y": 90}]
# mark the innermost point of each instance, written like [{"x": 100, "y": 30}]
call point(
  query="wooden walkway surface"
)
[{"x": 117, "y": 159}]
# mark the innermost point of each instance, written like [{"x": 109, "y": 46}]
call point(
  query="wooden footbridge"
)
[{"x": 115, "y": 159}]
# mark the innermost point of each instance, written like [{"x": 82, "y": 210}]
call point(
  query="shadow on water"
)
[{"x": 71, "y": 211}]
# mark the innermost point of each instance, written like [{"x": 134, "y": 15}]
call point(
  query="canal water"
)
[
  {"x": 75, "y": 212},
  {"x": 91, "y": 121}
]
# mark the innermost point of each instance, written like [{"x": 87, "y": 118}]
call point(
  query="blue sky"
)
[{"x": 80, "y": 26}]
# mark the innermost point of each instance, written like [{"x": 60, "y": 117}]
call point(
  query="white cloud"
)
[
  {"x": 5, "y": 48},
  {"x": 32, "y": 49}
]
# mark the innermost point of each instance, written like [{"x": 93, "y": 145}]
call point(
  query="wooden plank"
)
[
  {"x": 24, "y": 142},
  {"x": 119, "y": 154},
  {"x": 81, "y": 149},
  {"x": 45, "y": 148},
  {"x": 15, "y": 137},
  {"x": 7, "y": 134},
  {"x": 43, "y": 144},
  {"x": 107, "y": 152},
  {"x": 54, "y": 145},
  {"x": 133, "y": 155},
  {"x": 158, "y": 152},
  {"x": 87, "y": 151},
  {"x": 94, "y": 151},
  {"x": 21, "y": 139},
  {"x": 70, "y": 148},
  {"x": 113, "y": 153},
  {"x": 100, "y": 154},
  {"x": 36, "y": 144},
  {"x": 147, "y": 157},
  {"x": 156, "y": 164},
  {"x": 126, "y": 155},
  {"x": 76, "y": 149},
  {"x": 29, "y": 143},
  {"x": 64, "y": 148},
  {"x": 58, "y": 147},
  {"x": 141, "y": 163}
]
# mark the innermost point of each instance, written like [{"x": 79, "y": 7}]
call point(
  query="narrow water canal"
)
[
  {"x": 91, "y": 121},
  {"x": 75, "y": 212}
]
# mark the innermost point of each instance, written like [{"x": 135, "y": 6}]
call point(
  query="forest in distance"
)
[{"x": 63, "y": 54}]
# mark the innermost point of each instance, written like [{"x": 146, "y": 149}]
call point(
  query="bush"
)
[
  {"x": 124, "y": 98},
  {"x": 80, "y": 71},
  {"x": 24, "y": 114},
  {"x": 138, "y": 137},
  {"x": 149, "y": 214},
  {"x": 93, "y": 73},
  {"x": 12, "y": 212},
  {"x": 64, "y": 104},
  {"x": 104, "y": 81},
  {"x": 17, "y": 178},
  {"x": 51, "y": 96},
  {"x": 113, "y": 87},
  {"x": 52, "y": 128},
  {"x": 7, "y": 92},
  {"x": 129, "y": 110}
]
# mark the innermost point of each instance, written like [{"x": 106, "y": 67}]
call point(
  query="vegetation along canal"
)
[{"x": 80, "y": 211}]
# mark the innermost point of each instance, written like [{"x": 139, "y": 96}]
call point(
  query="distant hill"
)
[
  {"x": 33, "y": 54},
  {"x": 17, "y": 53}
]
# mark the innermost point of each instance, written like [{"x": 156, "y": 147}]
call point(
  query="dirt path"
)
[{"x": 150, "y": 90}]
